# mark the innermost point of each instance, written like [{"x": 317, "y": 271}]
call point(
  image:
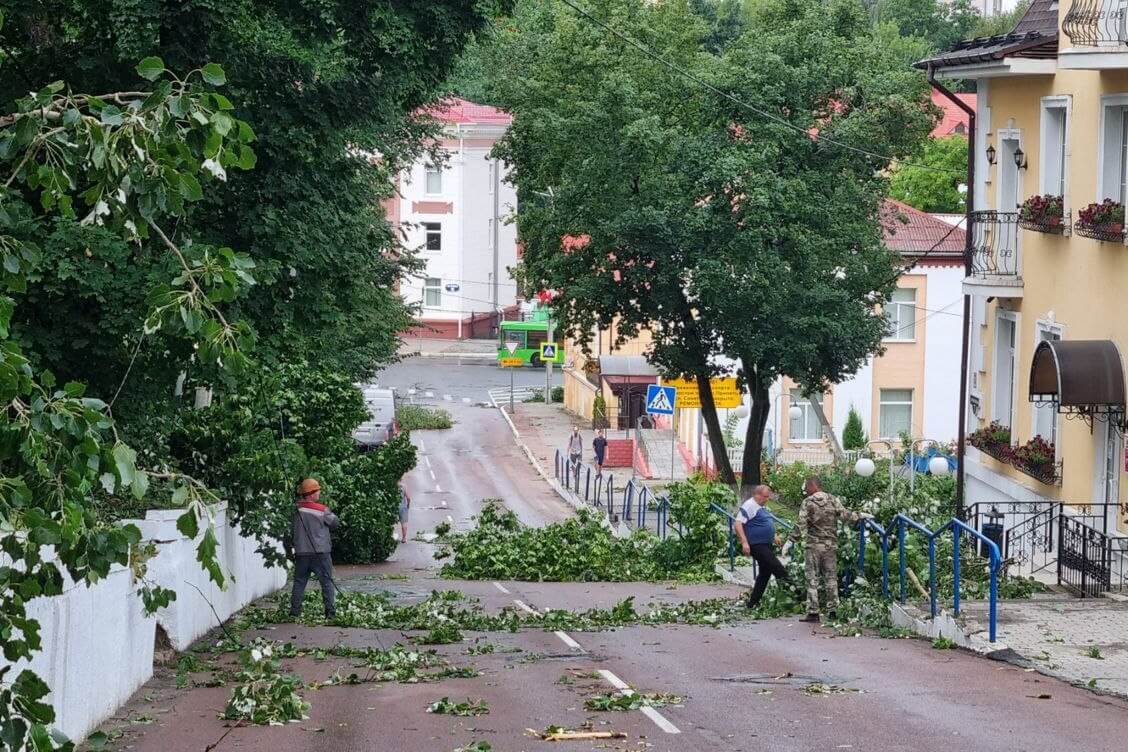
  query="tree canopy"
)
[
  {"x": 734, "y": 236},
  {"x": 937, "y": 189}
]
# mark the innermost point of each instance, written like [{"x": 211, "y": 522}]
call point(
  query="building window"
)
[
  {"x": 1003, "y": 376},
  {"x": 1046, "y": 416},
  {"x": 1054, "y": 139},
  {"x": 895, "y": 416},
  {"x": 1113, "y": 163},
  {"x": 434, "y": 231},
  {"x": 433, "y": 181},
  {"x": 432, "y": 293},
  {"x": 805, "y": 427},
  {"x": 901, "y": 314}
]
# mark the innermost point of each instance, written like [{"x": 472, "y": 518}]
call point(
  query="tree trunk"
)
[
  {"x": 828, "y": 430},
  {"x": 713, "y": 423},
  {"x": 754, "y": 434}
]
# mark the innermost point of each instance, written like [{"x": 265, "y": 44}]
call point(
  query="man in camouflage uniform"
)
[{"x": 818, "y": 525}]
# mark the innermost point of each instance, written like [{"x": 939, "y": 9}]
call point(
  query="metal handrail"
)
[
  {"x": 883, "y": 536},
  {"x": 731, "y": 535}
]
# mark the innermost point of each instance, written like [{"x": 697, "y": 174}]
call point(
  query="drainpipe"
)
[{"x": 965, "y": 345}]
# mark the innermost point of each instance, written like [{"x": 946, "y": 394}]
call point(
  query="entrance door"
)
[
  {"x": 1108, "y": 458},
  {"x": 1003, "y": 407}
]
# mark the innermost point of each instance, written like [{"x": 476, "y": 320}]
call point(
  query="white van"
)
[{"x": 381, "y": 425}]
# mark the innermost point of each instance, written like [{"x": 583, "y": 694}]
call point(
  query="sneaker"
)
[{"x": 811, "y": 618}]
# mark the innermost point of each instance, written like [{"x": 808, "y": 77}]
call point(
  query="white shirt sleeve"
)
[{"x": 747, "y": 510}]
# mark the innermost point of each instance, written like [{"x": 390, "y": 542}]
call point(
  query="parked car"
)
[{"x": 381, "y": 426}]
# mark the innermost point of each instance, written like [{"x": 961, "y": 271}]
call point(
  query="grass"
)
[{"x": 415, "y": 417}]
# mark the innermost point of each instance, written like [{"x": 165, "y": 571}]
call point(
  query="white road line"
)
[
  {"x": 427, "y": 459},
  {"x": 466, "y": 400},
  {"x": 659, "y": 720},
  {"x": 501, "y": 587},
  {"x": 448, "y": 398},
  {"x": 432, "y": 472},
  {"x": 423, "y": 448},
  {"x": 525, "y": 607},
  {"x": 564, "y": 638}
]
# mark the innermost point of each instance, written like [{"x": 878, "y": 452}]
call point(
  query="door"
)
[
  {"x": 1006, "y": 229},
  {"x": 1109, "y": 457},
  {"x": 1003, "y": 402}
]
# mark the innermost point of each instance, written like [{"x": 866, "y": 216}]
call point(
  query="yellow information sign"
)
[
  {"x": 725, "y": 392},
  {"x": 510, "y": 362}
]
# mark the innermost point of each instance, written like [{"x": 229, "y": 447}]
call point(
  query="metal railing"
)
[
  {"x": 994, "y": 249},
  {"x": 1090, "y": 562},
  {"x": 1096, "y": 23},
  {"x": 903, "y": 524}
]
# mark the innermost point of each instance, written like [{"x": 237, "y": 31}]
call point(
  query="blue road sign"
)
[{"x": 660, "y": 400}]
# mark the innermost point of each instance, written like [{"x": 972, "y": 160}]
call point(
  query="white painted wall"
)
[
  {"x": 98, "y": 645},
  {"x": 856, "y": 392},
  {"x": 942, "y": 345},
  {"x": 466, "y": 258}
]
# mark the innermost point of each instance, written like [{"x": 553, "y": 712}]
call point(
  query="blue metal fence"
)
[{"x": 633, "y": 502}]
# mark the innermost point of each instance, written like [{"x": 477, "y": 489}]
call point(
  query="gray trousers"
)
[{"x": 320, "y": 565}]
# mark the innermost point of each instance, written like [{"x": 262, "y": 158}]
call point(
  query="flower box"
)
[
  {"x": 1103, "y": 221},
  {"x": 1044, "y": 214},
  {"x": 1035, "y": 458}
]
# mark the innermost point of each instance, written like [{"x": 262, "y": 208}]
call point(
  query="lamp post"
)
[
  {"x": 865, "y": 466},
  {"x": 933, "y": 465}
]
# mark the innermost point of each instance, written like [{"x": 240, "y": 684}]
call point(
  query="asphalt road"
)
[{"x": 746, "y": 686}]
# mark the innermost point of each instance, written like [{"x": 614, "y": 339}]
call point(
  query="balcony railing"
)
[
  {"x": 1096, "y": 23},
  {"x": 994, "y": 251}
]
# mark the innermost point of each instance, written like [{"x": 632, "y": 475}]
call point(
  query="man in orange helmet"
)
[{"x": 312, "y": 547}]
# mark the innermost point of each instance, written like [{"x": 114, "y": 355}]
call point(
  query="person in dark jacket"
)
[{"x": 312, "y": 547}]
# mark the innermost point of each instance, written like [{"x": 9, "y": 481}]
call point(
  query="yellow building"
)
[{"x": 1049, "y": 270}]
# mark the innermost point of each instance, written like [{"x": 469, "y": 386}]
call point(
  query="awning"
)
[
  {"x": 1083, "y": 377},
  {"x": 626, "y": 365}
]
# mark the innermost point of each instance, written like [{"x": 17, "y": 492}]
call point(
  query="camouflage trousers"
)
[{"x": 822, "y": 567}]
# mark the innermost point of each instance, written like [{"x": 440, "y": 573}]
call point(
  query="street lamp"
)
[
  {"x": 865, "y": 467},
  {"x": 938, "y": 466},
  {"x": 891, "y": 450}
]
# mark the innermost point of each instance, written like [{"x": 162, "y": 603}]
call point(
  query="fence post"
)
[
  {"x": 587, "y": 484},
  {"x": 1084, "y": 565},
  {"x": 642, "y": 511},
  {"x": 885, "y": 565},
  {"x": 932, "y": 573},
  {"x": 901, "y": 554},
  {"x": 862, "y": 549},
  {"x": 956, "y": 567},
  {"x": 1061, "y": 538},
  {"x": 994, "y": 598}
]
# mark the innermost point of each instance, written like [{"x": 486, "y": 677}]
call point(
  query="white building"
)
[{"x": 456, "y": 215}]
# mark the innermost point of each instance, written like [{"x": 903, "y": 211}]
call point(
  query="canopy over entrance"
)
[{"x": 1081, "y": 377}]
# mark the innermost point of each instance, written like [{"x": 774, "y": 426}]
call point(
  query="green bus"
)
[{"x": 528, "y": 335}]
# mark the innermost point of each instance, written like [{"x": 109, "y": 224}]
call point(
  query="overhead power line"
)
[{"x": 752, "y": 108}]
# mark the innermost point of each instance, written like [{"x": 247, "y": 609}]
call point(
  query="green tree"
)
[
  {"x": 941, "y": 23},
  {"x": 853, "y": 435},
  {"x": 999, "y": 23},
  {"x": 329, "y": 85},
  {"x": 723, "y": 232},
  {"x": 936, "y": 189}
]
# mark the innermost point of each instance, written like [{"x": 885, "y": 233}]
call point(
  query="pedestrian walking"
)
[
  {"x": 818, "y": 525},
  {"x": 311, "y": 544},
  {"x": 755, "y": 527},
  {"x": 599, "y": 450},
  {"x": 575, "y": 446},
  {"x": 405, "y": 507}
]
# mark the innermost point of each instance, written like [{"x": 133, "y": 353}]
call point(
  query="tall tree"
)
[
  {"x": 734, "y": 237},
  {"x": 327, "y": 85},
  {"x": 938, "y": 189}
]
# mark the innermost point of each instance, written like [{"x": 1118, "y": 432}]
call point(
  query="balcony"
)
[
  {"x": 1098, "y": 35},
  {"x": 995, "y": 267}
]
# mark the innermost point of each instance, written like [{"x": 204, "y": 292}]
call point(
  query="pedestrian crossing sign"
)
[
  {"x": 550, "y": 352},
  {"x": 660, "y": 399}
]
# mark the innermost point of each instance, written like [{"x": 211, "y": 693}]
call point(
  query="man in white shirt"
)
[{"x": 755, "y": 527}]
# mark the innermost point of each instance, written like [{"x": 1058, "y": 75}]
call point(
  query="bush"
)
[
  {"x": 417, "y": 417},
  {"x": 254, "y": 443},
  {"x": 854, "y": 435},
  {"x": 599, "y": 413},
  {"x": 557, "y": 394}
]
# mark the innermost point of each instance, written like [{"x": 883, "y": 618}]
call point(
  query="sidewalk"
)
[{"x": 1081, "y": 641}]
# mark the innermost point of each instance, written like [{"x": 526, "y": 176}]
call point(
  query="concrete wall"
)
[{"x": 97, "y": 643}]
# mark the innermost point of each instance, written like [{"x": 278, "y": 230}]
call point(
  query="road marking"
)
[
  {"x": 448, "y": 398},
  {"x": 426, "y": 458},
  {"x": 501, "y": 587},
  {"x": 564, "y": 638},
  {"x": 422, "y": 448},
  {"x": 466, "y": 400},
  {"x": 432, "y": 472},
  {"x": 659, "y": 720},
  {"x": 438, "y": 488},
  {"x": 524, "y": 607}
]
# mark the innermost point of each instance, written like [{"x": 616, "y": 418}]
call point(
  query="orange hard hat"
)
[{"x": 308, "y": 486}]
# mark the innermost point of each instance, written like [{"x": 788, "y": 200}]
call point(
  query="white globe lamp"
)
[
  {"x": 741, "y": 412},
  {"x": 939, "y": 466},
  {"x": 864, "y": 467},
  {"x": 795, "y": 412}
]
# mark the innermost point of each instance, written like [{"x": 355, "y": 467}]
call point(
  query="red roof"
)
[
  {"x": 954, "y": 120},
  {"x": 464, "y": 112},
  {"x": 912, "y": 232}
]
